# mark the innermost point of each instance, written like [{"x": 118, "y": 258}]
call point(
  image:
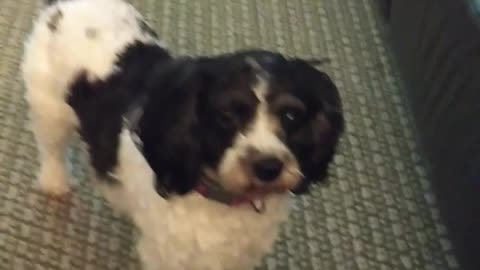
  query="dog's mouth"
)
[
  {"x": 253, "y": 195},
  {"x": 210, "y": 184},
  {"x": 260, "y": 191}
]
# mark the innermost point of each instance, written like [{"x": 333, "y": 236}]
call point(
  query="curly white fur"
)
[{"x": 182, "y": 233}]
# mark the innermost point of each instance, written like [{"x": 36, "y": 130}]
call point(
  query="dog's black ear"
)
[
  {"x": 317, "y": 143},
  {"x": 169, "y": 126}
]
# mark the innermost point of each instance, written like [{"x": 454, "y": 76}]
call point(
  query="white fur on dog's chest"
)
[
  {"x": 194, "y": 233},
  {"x": 190, "y": 232}
]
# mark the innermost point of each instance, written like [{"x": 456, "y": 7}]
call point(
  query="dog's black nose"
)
[{"x": 267, "y": 169}]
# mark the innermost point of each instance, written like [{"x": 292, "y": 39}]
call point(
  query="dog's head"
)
[{"x": 253, "y": 121}]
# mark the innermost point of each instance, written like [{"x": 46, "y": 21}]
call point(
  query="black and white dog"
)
[{"x": 201, "y": 153}]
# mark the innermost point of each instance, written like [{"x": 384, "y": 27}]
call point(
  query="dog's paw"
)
[{"x": 53, "y": 180}]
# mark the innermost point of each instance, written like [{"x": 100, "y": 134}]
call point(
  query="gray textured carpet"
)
[{"x": 377, "y": 213}]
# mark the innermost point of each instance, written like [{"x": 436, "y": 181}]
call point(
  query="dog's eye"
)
[
  {"x": 291, "y": 117},
  {"x": 290, "y": 110},
  {"x": 225, "y": 118},
  {"x": 232, "y": 116}
]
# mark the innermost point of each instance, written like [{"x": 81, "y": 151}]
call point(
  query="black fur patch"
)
[
  {"x": 100, "y": 105},
  {"x": 314, "y": 142},
  {"x": 54, "y": 20}
]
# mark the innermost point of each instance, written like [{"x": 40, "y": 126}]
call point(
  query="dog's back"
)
[{"x": 77, "y": 36}]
